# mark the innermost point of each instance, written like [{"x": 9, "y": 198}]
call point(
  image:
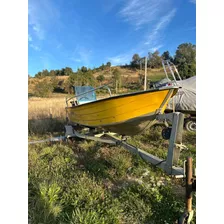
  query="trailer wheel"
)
[
  {"x": 166, "y": 132},
  {"x": 190, "y": 125}
]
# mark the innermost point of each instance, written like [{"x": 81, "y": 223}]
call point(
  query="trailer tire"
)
[{"x": 190, "y": 125}]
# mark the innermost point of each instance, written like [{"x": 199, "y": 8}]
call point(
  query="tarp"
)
[{"x": 185, "y": 99}]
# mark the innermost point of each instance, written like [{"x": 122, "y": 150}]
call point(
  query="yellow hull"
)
[{"x": 111, "y": 113}]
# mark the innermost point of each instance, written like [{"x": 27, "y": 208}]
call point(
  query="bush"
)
[
  {"x": 187, "y": 70},
  {"x": 43, "y": 88},
  {"x": 100, "y": 78}
]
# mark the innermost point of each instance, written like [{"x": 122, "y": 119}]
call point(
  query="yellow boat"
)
[{"x": 126, "y": 114}]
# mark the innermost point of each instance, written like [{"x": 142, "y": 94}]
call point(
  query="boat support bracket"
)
[
  {"x": 175, "y": 142},
  {"x": 174, "y": 149}
]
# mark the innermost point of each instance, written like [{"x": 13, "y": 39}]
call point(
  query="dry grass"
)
[
  {"x": 39, "y": 108},
  {"x": 46, "y": 115},
  {"x": 53, "y": 107}
]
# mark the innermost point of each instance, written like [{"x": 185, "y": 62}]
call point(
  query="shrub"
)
[{"x": 43, "y": 88}]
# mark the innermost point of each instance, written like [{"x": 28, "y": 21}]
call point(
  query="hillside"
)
[{"x": 128, "y": 76}]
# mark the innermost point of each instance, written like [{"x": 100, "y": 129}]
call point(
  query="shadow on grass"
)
[
  {"x": 92, "y": 160},
  {"x": 30, "y": 95},
  {"x": 149, "y": 204},
  {"x": 44, "y": 126},
  {"x": 189, "y": 137}
]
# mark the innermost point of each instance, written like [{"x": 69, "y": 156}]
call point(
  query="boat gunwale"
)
[{"x": 123, "y": 95}]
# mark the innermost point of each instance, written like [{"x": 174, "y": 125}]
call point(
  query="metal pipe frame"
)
[
  {"x": 175, "y": 144},
  {"x": 169, "y": 63}
]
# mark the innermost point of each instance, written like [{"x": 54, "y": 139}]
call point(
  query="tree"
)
[
  {"x": 57, "y": 72},
  {"x": 185, "y": 53},
  {"x": 54, "y": 81},
  {"x": 116, "y": 75},
  {"x": 187, "y": 70},
  {"x": 70, "y": 82},
  {"x": 42, "y": 74},
  {"x": 80, "y": 78},
  {"x": 108, "y": 64},
  {"x": 43, "y": 88},
  {"x": 45, "y": 72},
  {"x": 185, "y": 59},
  {"x": 66, "y": 71},
  {"x": 135, "y": 60},
  {"x": 166, "y": 56},
  {"x": 52, "y": 73},
  {"x": 135, "y": 57},
  {"x": 88, "y": 79},
  {"x": 155, "y": 60},
  {"x": 84, "y": 69},
  {"x": 38, "y": 75},
  {"x": 102, "y": 67},
  {"x": 100, "y": 78}
]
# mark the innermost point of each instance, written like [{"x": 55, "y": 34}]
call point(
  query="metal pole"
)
[
  {"x": 177, "y": 72},
  {"x": 175, "y": 138},
  {"x": 145, "y": 73},
  {"x": 171, "y": 70},
  {"x": 164, "y": 68}
]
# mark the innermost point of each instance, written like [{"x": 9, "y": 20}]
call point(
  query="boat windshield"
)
[{"x": 85, "y": 94}]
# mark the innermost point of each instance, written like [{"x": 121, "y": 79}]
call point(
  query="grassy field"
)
[{"x": 94, "y": 183}]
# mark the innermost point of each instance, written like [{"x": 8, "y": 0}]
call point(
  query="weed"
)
[{"x": 88, "y": 182}]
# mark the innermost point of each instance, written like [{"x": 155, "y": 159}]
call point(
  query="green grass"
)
[
  {"x": 90, "y": 182},
  {"x": 156, "y": 76}
]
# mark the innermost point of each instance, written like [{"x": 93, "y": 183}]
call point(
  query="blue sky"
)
[{"x": 75, "y": 33}]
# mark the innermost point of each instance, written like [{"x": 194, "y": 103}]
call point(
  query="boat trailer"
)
[{"x": 172, "y": 133}]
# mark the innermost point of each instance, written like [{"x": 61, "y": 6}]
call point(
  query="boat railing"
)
[
  {"x": 171, "y": 66},
  {"x": 92, "y": 90}
]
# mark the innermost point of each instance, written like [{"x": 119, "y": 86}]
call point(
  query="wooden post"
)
[
  {"x": 145, "y": 82},
  {"x": 189, "y": 176}
]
